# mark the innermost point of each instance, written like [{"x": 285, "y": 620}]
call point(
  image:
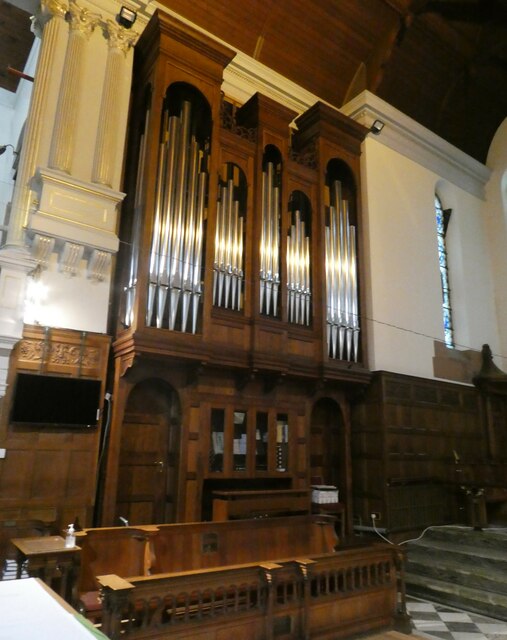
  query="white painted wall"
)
[
  {"x": 403, "y": 311},
  {"x": 64, "y": 301},
  {"x": 404, "y": 302},
  {"x": 495, "y": 216}
]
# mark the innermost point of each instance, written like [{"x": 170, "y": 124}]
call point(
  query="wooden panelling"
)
[
  {"x": 417, "y": 441},
  {"x": 49, "y": 468}
]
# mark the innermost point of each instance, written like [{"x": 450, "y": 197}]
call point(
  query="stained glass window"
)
[{"x": 442, "y": 221}]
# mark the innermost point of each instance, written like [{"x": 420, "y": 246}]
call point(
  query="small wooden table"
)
[
  {"x": 336, "y": 509},
  {"x": 50, "y": 560}
]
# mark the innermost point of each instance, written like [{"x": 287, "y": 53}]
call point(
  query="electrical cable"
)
[{"x": 433, "y": 526}]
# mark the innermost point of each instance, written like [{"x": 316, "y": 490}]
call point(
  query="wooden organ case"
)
[{"x": 239, "y": 345}]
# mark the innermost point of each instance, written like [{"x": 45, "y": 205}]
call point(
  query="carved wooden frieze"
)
[{"x": 60, "y": 353}]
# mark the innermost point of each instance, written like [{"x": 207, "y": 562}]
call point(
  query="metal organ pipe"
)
[
  {"x": 130, "y": 289},
  {"x": 228, "y": 261},
  {"x": 177, "y": 239},
  {"x": 270, "y": 242},
  {"x": 298, "y": 273},
  {"x": 341, "y": 280}
]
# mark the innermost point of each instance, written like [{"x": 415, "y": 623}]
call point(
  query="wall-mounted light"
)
[
  {"x": 126, "y": 17},
  {"x": 377, "y": 127},
  {"x": 3, "y": 149}
]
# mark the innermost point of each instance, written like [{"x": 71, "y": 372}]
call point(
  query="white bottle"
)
[{"x": 70, "y": 538}]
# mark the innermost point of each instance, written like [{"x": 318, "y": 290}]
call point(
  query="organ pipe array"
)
[
  {"x": 174, "y": 288},
  {"x": 298, "y": 273},
  {"x": 228, "y": 261},
  {"x": 130, "y": 289},
  {"x": 270, "y": 241},
  {"x": 341, "y": 279}
]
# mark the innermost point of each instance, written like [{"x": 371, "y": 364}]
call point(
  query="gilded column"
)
[
  {"x": 82, "y": 23},
  {"x": 118, "y": 67},
  {"x": 49, "y": 25}
]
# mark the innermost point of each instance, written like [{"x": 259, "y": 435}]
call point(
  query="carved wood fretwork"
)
[
  {"x": 307, "y": 156},
  {"x": 228, "y": 122}
]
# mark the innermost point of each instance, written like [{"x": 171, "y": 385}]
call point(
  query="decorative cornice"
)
[
  {"x": 411, "y": 139},
  {"x": 244, "y": 76}
]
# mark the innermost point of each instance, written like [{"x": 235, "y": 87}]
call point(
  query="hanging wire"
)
[{"x": 363, "y": 318}]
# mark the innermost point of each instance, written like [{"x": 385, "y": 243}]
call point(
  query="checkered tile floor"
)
[{"x": 444, "y": 623}]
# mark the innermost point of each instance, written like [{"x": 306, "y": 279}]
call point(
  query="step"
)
[
  {"x": 455, "y": 572},
  {"x": 473, "y": 556},
  {"x": 483, "y": 602},
  {"x": 494, "y": 538}
]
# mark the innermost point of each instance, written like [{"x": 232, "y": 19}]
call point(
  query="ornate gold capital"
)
[
  {"x": 82, "y": 20},
  {"x": 118, "y": 37},
  {"x": 48, "y": 9}
]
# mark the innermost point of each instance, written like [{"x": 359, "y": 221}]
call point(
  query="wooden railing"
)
[{"x": 351, "y": 591}]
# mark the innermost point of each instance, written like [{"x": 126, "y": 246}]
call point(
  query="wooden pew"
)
[
  {"x": 326, "y": 596},
  {"x": 119, "y": 550},
  {"x": 202, "y": 545},
  {"x": 169, "y": 548}
]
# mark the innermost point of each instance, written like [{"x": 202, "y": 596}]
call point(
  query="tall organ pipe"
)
[
  {"x": 228, "y": 260},
  {"x": 130, "y": 289},
  {"x": 341, "y": 280},
  {"x": 270, "y": 242},
  {"x": 298, "y": 272},
  {"x": 165, "y": 186},
  {"x": 177, "y": 238}
]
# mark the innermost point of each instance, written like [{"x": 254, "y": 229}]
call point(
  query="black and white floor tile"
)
[{"x": 436, "y": 621}]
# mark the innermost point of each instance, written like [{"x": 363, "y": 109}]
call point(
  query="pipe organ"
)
[
  {"x": 241, "y": 249},
  {"x": 184, "y": 141}
]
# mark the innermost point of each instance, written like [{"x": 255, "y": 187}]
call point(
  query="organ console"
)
[{"x": 241, "y": 281}]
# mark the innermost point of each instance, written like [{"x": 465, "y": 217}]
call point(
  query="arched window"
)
[{"x": 443, "y": 217}]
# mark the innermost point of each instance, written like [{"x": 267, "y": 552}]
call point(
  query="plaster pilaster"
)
[
  {"x": 82, "y": 23},
  {"x": 50, "y": 25},
  {"x": 118, "y": 68}
]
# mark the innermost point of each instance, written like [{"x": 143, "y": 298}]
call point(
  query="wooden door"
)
[
  {"x": 327, "y": 449},
  {"x": 143, "y": 469}
]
